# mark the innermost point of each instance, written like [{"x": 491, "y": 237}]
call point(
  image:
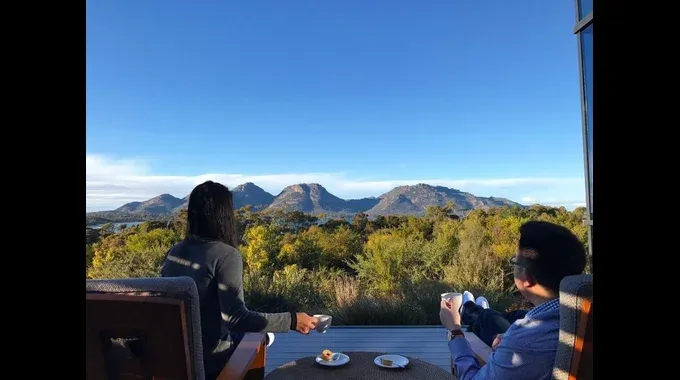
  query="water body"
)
[{"x": 116, "y": 226}]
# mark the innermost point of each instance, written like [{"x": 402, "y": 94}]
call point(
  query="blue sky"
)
[{"x": 357, "y": 95}]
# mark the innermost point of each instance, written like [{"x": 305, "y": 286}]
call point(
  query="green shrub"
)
[{"x": 387, "y": 271}]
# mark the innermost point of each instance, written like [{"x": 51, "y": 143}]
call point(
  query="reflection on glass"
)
[
  {"x": 587, "y": 54},
  {"x": 584, "y": 7}
]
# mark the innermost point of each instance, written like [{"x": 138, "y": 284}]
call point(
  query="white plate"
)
[
  {"x": 338, "y": 360},
  {"x": 396, "y": 359}
]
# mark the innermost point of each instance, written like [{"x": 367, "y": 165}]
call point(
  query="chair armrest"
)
[{"x": 248, "y": 359}]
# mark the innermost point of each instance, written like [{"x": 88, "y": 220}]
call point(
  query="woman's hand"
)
[{"x": 305, "y": 323}]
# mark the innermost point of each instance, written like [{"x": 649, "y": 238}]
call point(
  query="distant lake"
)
[{"x": 116, "y": 226}]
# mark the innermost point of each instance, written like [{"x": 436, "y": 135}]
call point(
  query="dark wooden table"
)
[{"x": 360, "y": 367}]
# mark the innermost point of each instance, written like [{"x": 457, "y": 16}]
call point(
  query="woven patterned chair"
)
[
  {"x": 574, "y": 359},
  {"x": 151, "y": 328}
]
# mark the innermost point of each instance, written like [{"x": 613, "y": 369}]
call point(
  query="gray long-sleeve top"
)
[{"x": 217, "y": 269}]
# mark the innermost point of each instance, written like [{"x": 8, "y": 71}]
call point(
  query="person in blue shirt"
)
[{"x": 527, "y": 347}]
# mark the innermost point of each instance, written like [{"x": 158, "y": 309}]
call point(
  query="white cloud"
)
[
  {"x": 569, "y": 204},
  {"x": 111, "y": 183}
]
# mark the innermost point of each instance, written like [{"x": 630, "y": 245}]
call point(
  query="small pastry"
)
[
  {"x": 386, "y": 362},
  {"x": 326, "y": 355}
]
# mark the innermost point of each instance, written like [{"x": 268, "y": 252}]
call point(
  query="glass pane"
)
[
  {"x": 584, "y": 7},
  {"x": 587, "y": 54}
]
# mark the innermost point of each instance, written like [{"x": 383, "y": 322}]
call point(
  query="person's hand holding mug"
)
[
  {"x": 449, "y": 315},
  {"x": 305, "y": 323}
]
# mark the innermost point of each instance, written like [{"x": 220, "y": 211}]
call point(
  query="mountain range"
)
[{"x": 315, "y": 199}]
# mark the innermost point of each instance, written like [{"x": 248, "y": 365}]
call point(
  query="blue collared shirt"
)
[
  {"x": 545, "y": 307},
  {"x": 527, "y": 350}
]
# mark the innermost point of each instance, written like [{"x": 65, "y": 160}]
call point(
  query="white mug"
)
[
  {"x": 456, "y": 299},
  {"x": 323, "y": 322}
]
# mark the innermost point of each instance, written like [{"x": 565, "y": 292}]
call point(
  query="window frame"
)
[{"x": 581, "y": 25}]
